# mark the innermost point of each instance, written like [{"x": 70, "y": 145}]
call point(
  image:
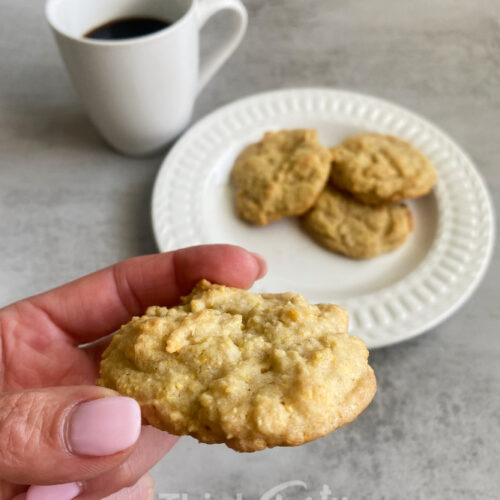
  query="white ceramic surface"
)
[
  {"x": 389, "y": 298},
  {"x": 140, "y": 92}
]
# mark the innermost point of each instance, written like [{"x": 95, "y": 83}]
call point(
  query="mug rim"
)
[{"x": 49, "y": 15}]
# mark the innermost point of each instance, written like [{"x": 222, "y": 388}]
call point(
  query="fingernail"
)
[
  {"x": 65, "y": 491},
  {"x": 262, "y": 265},
  {"x": 104, "y": 426}
]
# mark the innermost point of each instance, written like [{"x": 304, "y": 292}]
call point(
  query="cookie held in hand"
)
[
  {"x": 281, "y": 175},
  {"x": 249, "y": 370}
]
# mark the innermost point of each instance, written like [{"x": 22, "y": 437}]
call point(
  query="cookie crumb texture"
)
[
  {"x": 343, "y": 224},
  {"x": 235, "y": 367},
  {"x": 281, "y": 175},
  {"x": 379, "y": 169}
]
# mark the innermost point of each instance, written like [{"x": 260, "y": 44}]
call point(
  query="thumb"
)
[{"x": 65, "y": 434}]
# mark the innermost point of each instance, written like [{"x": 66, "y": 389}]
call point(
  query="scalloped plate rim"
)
[{"x": 200, "y": 125}]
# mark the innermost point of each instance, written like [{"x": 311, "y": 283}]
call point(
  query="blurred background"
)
[{"x": 70, "y": 205}]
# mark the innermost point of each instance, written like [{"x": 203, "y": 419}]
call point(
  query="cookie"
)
[
  {"x": 379, "y": 169},
  {"x": 281, "y": 175},
  {"x": 235, "y": 367},
  {"x": 345, "y": 225}
]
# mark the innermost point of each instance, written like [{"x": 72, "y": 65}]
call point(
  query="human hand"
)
[{"x": 60, "y": 433}]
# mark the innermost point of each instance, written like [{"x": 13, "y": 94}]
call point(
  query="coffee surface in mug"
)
[{"x": 132, "y": 27}]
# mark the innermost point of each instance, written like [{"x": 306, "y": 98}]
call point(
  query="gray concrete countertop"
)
[{"x": 70, "y": 205}]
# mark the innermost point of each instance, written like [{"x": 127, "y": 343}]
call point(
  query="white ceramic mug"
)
[{"x": 139, "y": 92}]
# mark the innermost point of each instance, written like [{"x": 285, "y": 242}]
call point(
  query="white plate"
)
[{"x": 389, "y": 298}]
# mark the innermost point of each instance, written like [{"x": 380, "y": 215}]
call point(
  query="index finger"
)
[{"x": 99, "y": 303}]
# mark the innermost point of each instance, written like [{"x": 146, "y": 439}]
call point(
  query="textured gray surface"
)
[{"x": 69, "y": 205}]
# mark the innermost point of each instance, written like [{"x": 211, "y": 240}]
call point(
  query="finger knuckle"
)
[{"x": 21, "y": 424}]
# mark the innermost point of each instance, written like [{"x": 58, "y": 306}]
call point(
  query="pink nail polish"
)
[
  {"x": 65, "y": 491},
  {"x": 104, "y": 426}
]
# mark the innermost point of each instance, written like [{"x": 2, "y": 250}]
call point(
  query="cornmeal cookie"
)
[
  {"x": 235, "y": 367},
  {"x": 343, "y": 224},
  {"x": 282, "y": 174},
  {"x": 381, "y": 168}
]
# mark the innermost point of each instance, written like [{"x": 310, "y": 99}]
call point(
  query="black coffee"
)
[{"x": 131, "y": 27}]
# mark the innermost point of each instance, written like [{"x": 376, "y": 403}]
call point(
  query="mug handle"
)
[{"x": 206, "y": 9}]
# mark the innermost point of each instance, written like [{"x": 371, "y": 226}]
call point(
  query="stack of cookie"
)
[{"x": 358, "y": 212}]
